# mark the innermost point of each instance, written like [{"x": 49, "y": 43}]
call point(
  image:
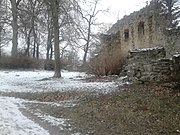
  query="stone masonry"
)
[
  {"x": 135, "y": 31},
  {"x": 145, "y": 28},
  {"x": 150, "y": 65}
]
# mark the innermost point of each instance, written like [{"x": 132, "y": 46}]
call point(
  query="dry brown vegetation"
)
[
  {"x": 19, "y": 62},
  {"x": 132, "y": 111},
  {"x": 109, "y": 62}
]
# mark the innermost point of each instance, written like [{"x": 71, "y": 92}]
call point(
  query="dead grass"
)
[{"x": 133, "y": 110}]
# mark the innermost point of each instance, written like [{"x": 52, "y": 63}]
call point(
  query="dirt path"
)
[
  {"x": 46, "y": 115},
  {"x": 52, "y": 129}
]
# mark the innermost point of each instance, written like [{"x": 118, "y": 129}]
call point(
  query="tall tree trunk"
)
[
  {"x": 48, "y": 45},
  {"x": 28, "y": 41},
  {"x": 49, "y": 50},
  {"x": 34, "y": 44},
  {"x": 86, "y": 48},
  {"x": 37, "y": 46},
  {"x": 51, "y": 53},
  {"x": 49, "y": 38},
  {"x": 1, "y": 27},
  {"x": 85, "y": 55},
  {"x": 55, "y": 11},
  {"x": 35, "y": 36},
  {"x": 15, "y": 29},
  {"x": 0, "y": 39}
]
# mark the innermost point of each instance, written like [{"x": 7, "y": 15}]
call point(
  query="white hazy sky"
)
[{"x": 119, "y": 8}]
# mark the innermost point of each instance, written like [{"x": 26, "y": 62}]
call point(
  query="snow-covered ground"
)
[
  {"x": 36, "y": 81},
  {"x": 13, "y": 122}
]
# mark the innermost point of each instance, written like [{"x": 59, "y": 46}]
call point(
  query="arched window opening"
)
[
  {"x": 126, "y": 34},
  {"x": 141, "y": 29}
]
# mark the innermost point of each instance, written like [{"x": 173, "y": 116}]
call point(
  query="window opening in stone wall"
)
[
  {"x": 126, "y": 34},
  {"x": 117, "y": 40},
  {"x": 132, "y": 33},
  {"x": 141, "y": 29},
  {"x": 150, "y": 24}
]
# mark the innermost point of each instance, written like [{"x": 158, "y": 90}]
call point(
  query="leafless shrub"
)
[
  {"x": 49, "y": 65},
  {"x": 107, "y": 63},
  {"x": 8, "y": 62}
]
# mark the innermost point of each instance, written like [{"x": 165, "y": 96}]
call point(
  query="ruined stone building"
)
[{"x": 145, "y": 28}]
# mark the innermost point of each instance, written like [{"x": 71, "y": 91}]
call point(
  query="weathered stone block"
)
[
  {"x": 138, "y": 74},
  {"x": 131, "y": 73},
  {"x": 148, "y": 68},
  {"x": 145, "y": 79},
  {"x": 133, "y": 79}
]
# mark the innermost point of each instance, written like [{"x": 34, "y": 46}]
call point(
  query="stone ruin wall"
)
[
  {"x": 145, "y": 29},
  {"x": 150, "y": 65},
  {"x": 138, "y": 30},
  {"x": 142, "y": 29}
]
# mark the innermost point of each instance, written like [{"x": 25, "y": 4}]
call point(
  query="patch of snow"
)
[
  {"x": 146, "y": 49},
  {"x": 177, "y": 55},
  {"x": 60, "y": 122},
  {"x": 12, "y": 122},
  {"x": 29, "y": 81},
  {"x": 76, "y": 134},
  {"x": 64, "y": 104},
  {"x": 169, "y": 28},
  {"x": 122, "y": 78}
]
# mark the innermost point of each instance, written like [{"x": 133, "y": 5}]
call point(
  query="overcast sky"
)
[{"x": 119, "y": 8}]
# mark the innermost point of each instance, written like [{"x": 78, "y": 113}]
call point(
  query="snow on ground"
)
[
  {"x": 37, "y": 81},
  {"x": 60, "y": 122},
  {"x": 12, "y": 122}
]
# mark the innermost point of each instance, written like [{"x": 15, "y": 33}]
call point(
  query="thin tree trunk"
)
[
  {"x": 49, "y": 39},
  {"x": 34, "y": 49},
  {"x": 34, "y": 42},
  {"x": 85, "y": 56},
  {"x": 0, "y": 39},
  {"x": 28, "y": 41},
  {"x": 15, "y": 29},
  {"x": 37, "y": 47},
  {"x": 51, "y": 53},
  {"x": 55, "y": 11},
  {"x": 48, "y": 45},
  {"x": 87, "y": 43}
]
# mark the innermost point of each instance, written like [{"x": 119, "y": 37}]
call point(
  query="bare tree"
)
[
  {"x": 49, "y": 47},
  {"x": 60, "y": 11},
  {"x": 31, "y": 25},
  {"x": 14, "y": 5},
  {"x": 4, "y": 24},
  {"x": 54, "y": 8},
  {"x": 1, "y": 27},
  {"x": 89, "y": 17},
  {"x": 55, "y": 18},
  {"x": 171, "y": 10}
]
